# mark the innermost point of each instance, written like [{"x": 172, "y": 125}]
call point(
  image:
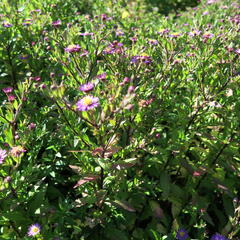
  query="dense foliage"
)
[{"x": 117, "y": 122}]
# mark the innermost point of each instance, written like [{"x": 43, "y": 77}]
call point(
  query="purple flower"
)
[
  {"x": 27, "y": 22},
  {"x": 3, "y": 155},
  {"x": 182, "y": 234},
  {"x": 211, "y": 1},
  {"x": 153, "y": 42},
  {"x": 7, "y": 90},
  {"x": 7, "y": 24},
  {"x": 72, "y": 48},
  {"x": 119, "y": 32},
  {"x": 57, "y": 23},
  {"x": 17, "y": 151},
  {"x": 114, "y": 47},
  {"x": 86, "y": 34},
  {"x": 218, "y": 236},
  {"x": 131, "y": 89},
  {"x": 87, "y": 103},
  {"x": 175, "y": 34},
  {"x": 133, "y": 39},
  {"x": 194, "y": 33},
  {"x": 7, "y": 179},
  {"x": 237, "y": 51},
  {"x": 11, "y": 98},
  {"x": 87, "y": 87},
  {"x": 84, "y": 53},
  {"x": 34, "y": 230},
  {"x": 208, "y": 35},
  {"x": 36, "y": 11},
  {"x": 163, "y": 31},
  {"x": 23, "y": 57},
  {"x": 37, "y": 78},
  {"x": 31, "y": 126},
  {"x": 102, "y": 76},
  {"x": 141, "y": 59}
]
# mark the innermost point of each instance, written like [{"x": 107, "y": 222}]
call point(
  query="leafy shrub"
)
[{"x": 117, "y": 123}]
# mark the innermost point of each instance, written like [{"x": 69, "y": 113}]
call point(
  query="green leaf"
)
[
  {"x": 113, "y": 234},
  {"x": 176, "y": 209},
  {"x": 228, "y": 206},
  {"x": 125, "y": 205},
  {"x": 208, "y": 219},
  {"x": 104, "y": 163},
  {"x": 165, "y": 184},
  {"x": 124, "y": 164},
  {"x": 37, "y": 201},
  {"x": 157, "y": 210}
]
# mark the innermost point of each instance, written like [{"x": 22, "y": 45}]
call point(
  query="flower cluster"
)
[
  {"x": 115, "y": 47},
  {"x": 141, "y": 59}
]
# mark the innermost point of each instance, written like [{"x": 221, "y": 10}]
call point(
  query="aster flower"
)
[
  {"x": 182, "y": 234},
  {"x": 141, "y": 59},
  {"x": 208, "y": 35},
  {"x": 175, "y": 34},
  {"x": 72, "y": 48},
  {"x": 23, "y": 57},
  {"x": 102, "y": 76},
  {"x": 153, "y": 42},
  {"x": 163, "y": 31},
  {"x": 3, "y": 155},
  {"x": 27, "y": 22},
  {"x": 86, "y": 87},
  {"x": 34, "y": 230},
  {"x": 114, "y": 47},
  {"x": 119, "y": 32},
  {"x": 37, "y": 78},
  {"x": 218, "y": 236},
  {"x": 84, "y": 53},
  {"x": 87, "y": 103},
  {"x": 11, "y": 98},
  {"x": 57, "y": 23},
  {"x": 7, "y": 24},
  {"x": 17, "y": 151},
  {"x": 211, "y": 1},
  {"x": 7, "y": 90},
  {"x": 86, "y": 34},
  {"x": 194, "y": 33},
  {"x": 31, "y": 126},
  {"x": 133, "y": 39}
]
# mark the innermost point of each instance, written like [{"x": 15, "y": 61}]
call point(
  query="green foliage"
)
[{"x": 169, "y": 6}]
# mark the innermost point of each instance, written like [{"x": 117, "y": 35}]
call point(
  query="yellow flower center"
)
[
  {"x": 35, "y": 229},
  {"x": 87, "y": 101},
  {"x": 182, "y": 234},
  {"x": 72, "y": 46}
]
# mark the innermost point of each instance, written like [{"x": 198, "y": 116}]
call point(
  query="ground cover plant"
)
[{"x": 118, "y": 122}]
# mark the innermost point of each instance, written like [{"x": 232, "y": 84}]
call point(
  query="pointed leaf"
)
[
  {"x": 125, "y": 205},
  {"x": 89, "y": 178}
]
